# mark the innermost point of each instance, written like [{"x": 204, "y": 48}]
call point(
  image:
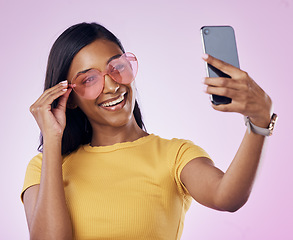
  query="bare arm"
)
[
  {"x": 225, "y": 191},
  {"x": 45, "y": 205},
  {"x": 209, "y": 185}
]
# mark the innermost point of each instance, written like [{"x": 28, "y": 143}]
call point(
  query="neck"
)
[{"x": 109, "y": 135}]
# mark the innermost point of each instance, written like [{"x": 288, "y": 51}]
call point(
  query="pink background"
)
[{"x": 165, "y": 37}]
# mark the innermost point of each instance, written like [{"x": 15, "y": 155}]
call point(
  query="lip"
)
[
  {"x": 115, "y": 107},
  {"x": 112, "y": 99}
]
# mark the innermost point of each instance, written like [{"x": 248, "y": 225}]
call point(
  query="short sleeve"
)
[
  {"x": 186, "y": 152},
  {"x": 33, "y": 173}
]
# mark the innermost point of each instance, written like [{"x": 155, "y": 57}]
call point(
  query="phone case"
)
[{"x": 220, "y": 42}]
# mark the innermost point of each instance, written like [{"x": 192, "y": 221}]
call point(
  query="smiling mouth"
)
[{"x": 114, "y": 102}]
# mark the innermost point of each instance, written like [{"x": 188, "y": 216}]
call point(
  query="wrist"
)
[
  {"x": 262, "y": 118},
  {"x": 264, "y": 131},
  {"x": 261, "y": 122},
  {"x": 52, "y": 140}
]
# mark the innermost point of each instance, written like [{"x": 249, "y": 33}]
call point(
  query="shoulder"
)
[
  {"x": 178, "y": 151},
  {"x": 168, "y": 142},
  {"x": 36, "y": 160},
  {"x": 178, "y": 144}
]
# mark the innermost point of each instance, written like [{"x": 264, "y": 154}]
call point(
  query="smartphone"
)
[{"x": 219, "y": 42}]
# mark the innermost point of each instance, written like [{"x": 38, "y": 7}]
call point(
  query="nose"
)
[{"x": 110, "y": 85}]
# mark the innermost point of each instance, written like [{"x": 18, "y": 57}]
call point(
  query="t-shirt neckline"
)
[{"x": 116, "y": 146}]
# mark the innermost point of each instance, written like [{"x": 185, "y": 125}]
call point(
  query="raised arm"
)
[
  {"x": 45, "y": 205},
  {"x": 206, "y": 183}
]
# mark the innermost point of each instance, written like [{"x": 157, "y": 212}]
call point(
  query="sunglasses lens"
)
[
  {"x": 124, "y": 69},
  {"x": 89, "y": 85}
]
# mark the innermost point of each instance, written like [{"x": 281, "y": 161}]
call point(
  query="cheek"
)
[
  {"x": 132, "y": 91},
  {"x": 84, "y": 105}
]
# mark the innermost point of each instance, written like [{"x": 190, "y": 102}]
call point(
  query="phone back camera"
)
[{"x": 206, "y": 31}]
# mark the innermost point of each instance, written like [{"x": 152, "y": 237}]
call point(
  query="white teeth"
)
[{"x": 118, "y": 100}]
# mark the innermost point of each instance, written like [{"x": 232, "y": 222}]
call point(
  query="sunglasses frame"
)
[{"x": 130, "y": 57}]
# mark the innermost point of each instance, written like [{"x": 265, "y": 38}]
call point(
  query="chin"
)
[{"x": 120, "y": 117}]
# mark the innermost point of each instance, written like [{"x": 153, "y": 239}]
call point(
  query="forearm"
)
[
  {"x": 236, "y": 184},
  {"x": 51, "y": 219}
]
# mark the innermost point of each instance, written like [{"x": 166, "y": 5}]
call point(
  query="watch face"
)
[{"x": 272, "y": 123}]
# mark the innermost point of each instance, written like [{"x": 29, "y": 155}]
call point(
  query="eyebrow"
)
[
  {"x": 109, "y": 60},
  {"x": 114, "y": 57}
]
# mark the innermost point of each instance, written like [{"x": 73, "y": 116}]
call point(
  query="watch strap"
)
[{"x": 258, "y": 130}]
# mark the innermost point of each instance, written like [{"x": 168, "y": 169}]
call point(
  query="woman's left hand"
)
[{"x": 247, "y": 97}]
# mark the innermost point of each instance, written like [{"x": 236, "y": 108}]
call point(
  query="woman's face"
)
[{"x": 114, "y": 106}]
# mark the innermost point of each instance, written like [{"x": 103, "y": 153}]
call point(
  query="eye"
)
[
  {"x": 89, "y": 80},
  {"x": 118, "y": 67}
]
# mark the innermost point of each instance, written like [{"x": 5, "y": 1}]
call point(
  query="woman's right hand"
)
[{"x": 52, "y": 121}]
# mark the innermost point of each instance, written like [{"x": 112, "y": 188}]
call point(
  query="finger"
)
[
  {"x": 63, "y": 100},
  {"x": 54, "y": 89},
  {"x": 62, "y": 86},
  {"x": 222, "y": 91},
  {"x": 227, "y": 68},
  {"x": 224, "y": 82},
  {"x": 232, "y": 107},
  {"x": 53, "y": 93},
  {"x": 49, "y": 95}
]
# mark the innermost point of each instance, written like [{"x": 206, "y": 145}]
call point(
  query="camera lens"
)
[{"x": 206, "y": 31}]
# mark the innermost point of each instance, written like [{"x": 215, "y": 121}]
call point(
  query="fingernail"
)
[
  {"x": 64, "y": 90},
  {"x": 64, "y": 83},
  {"x": 205, "y": 56}
]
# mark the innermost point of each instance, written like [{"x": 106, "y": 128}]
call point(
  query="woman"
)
[{"x": 100, "y": 174}]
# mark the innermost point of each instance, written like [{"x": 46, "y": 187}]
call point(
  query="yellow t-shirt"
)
[{"x": 127, "y": 190}]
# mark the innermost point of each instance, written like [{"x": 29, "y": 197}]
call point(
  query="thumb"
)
[{"x": 63, "y": 100}]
